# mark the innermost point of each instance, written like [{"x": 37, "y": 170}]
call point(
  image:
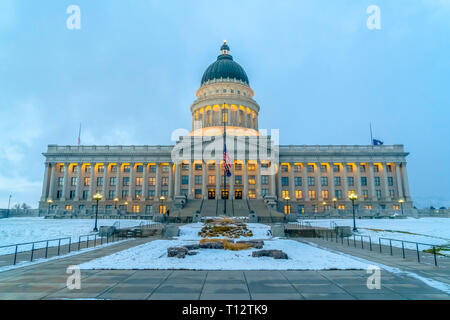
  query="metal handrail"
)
[{"x": 33, "y": 242}]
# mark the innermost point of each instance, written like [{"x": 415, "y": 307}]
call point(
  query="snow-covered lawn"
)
[
  {"x": 20, "y": 230},
  {"x": 434, "y": 231},
  {"x": 153, "y": 255}
]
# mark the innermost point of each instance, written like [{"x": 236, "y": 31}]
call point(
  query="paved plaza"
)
[{"x": 47, "y": 280}]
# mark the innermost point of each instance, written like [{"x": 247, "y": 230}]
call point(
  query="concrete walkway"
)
[
  {"x": 48, "y": 281},
  {"x": 425, "y": 269}
]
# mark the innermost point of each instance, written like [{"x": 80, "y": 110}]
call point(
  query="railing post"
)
[
  {"x": 46, "y": 250},
  {"x": 418, "y": 255},
  {"x": 403, "y": 249},
  {"x": 32, "y": 252},
  {"x": 79, "y": 240},
  {"x": 362, "y": 243},
  {"x": 390, "y": 245},
  {"x": 107, "y": 238},
  {"x": 379, "y": 243},
  {"x": 87, "y": 242},
  {"x": 15, "y": 255},
  {"x": 354, "y": 240},
  {"x": 434, "y": 253},
  {"x": 370, "y": 243},
  {"x": 59, "y": 245},
  {"x": 348, "y": 241},
  {"x": 95, "y": 240},
  {"x": 70, "y": 243}
]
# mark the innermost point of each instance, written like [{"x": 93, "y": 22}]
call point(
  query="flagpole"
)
[
  {"x": 79, "y": 135},
  {"x": 224, "y": 164},
  {"x": 371, "y": 137}
]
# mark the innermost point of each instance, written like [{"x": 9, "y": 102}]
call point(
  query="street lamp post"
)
[
  {"x": 288, "y": 208},
  {"x": 353, "y": 197},
  {"x": 334, "y": 202},
  {"x": 401, "y": 201},
  {"x": 162, "y": 198},
  {"x": 49, "y": 201},
  {"x": 9, "y": 203},
  {"x": 115, "y": 202},
  {"x": 96, "y": 197}
]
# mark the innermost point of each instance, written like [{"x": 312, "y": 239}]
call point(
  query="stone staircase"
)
[{"x": 209, "y": 208}]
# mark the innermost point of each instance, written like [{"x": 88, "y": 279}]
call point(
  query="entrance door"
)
[
  {"x": 225, "y": 194},
  {"x": 238, "y": 194},
  {"x": 211, "y": 194}
]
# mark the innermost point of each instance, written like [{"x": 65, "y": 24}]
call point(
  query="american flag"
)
[{"x": 227, "y": 161}]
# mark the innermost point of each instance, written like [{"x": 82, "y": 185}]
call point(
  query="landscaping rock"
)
[
  {"x": 211, "y": 245},
  {"x": 276, "y": 254},
  {"x": 179, "y": 252},
  {"x": 192, "y": 246}
]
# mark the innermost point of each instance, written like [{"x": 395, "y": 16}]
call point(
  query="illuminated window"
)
[
  {"x": 287, "y": 209},
  {"x": 252, "y": 194},
  {"x": 368, "y": 207},
  {"x": 251, "y": 180},
  {"x": 152, "y": 181},
  {"x": 251, "y": 167},
  {"x": 298, "y": 194},
  {"x": 87, "y": 181},
  {"x": 341, "y": 207},
  {"x": 224, "y": 117},
  {"x": 164, "y": 181},
  {"x": 68, "y": 207},
  {"x": 211, "y": 179},
  {"x": 136, "y": 208},
  {"x": 139, "y": 181},
  {"x": 312, "y": 194},
  {"x": 395, "y": 207},
  {"x": 325, "y": 194},
  {"x": 138, "y": 194},
  {"x": 162, "y": 209},
  {"x": 284, "y": 193}
]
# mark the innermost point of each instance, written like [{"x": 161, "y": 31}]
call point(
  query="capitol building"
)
[{"x": 267, "y": 179}]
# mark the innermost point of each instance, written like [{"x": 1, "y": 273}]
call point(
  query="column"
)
[
  {"x": 177, "y": 179},
  {"x": 331, "y": 182},
  {"x": 66, "y": 173},
  {"x": 119, "y": 167},
  {"x": 204, "y": 189},
  {"x": 78, "y": 186},
  {"x": 358, "y": 178},
  {"x": 190, "y": 184},
  {"x": 371, "y": 183},
  {"x": 91, "y": 184},
  {"x": 305, "y": 181},
  {"x": 258, "y": 181},
  {"x": 45, "y": 184},
  {"x": 131, "y": 186},
  {"x": 145, "y": 181},
  {"x": 245, "y": 194},
  {"x": 385, "y": 182},
  {"x": 273, "y": 189},
  {"x": 280, "y": 187},
  {"x": 291, "y": 182},
  {"x": 345, "y": 182},
  {"x": 171, "y": 181},
  {"x": 105, "y": 176},
  {"x": 217, "y": 179},
  {"x": 51, "y": 192},
  {"x": 399, "y": 180},
  {"x": 405, "y": 182},
  {"x": 157, "y": 183},
  {"x": 319, "y": 182}
]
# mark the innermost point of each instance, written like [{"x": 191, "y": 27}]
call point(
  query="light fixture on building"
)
[
  {"x": 97, "y": 197},
  {"x": 353, "y": 196}
]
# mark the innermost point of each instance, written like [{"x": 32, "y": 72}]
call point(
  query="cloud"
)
[{"x": 18, "y": 184}]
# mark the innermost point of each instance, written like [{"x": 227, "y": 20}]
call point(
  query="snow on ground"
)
[
  {"x": 190, "y": 231},
  {"x": 434, "y": 231},
  {"x": 21, "y": 230},
  {"x": 153, "y": 255}
]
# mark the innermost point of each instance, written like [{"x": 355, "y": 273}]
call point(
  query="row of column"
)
[
  {"x": 402, "y": 190},
  {"x": 233, "y": 118}
]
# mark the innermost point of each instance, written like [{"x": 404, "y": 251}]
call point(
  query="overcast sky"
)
[{"x": 129, "y": 75}]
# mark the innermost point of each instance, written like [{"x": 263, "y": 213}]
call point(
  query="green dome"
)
[{"x": 225, "y": 68}]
